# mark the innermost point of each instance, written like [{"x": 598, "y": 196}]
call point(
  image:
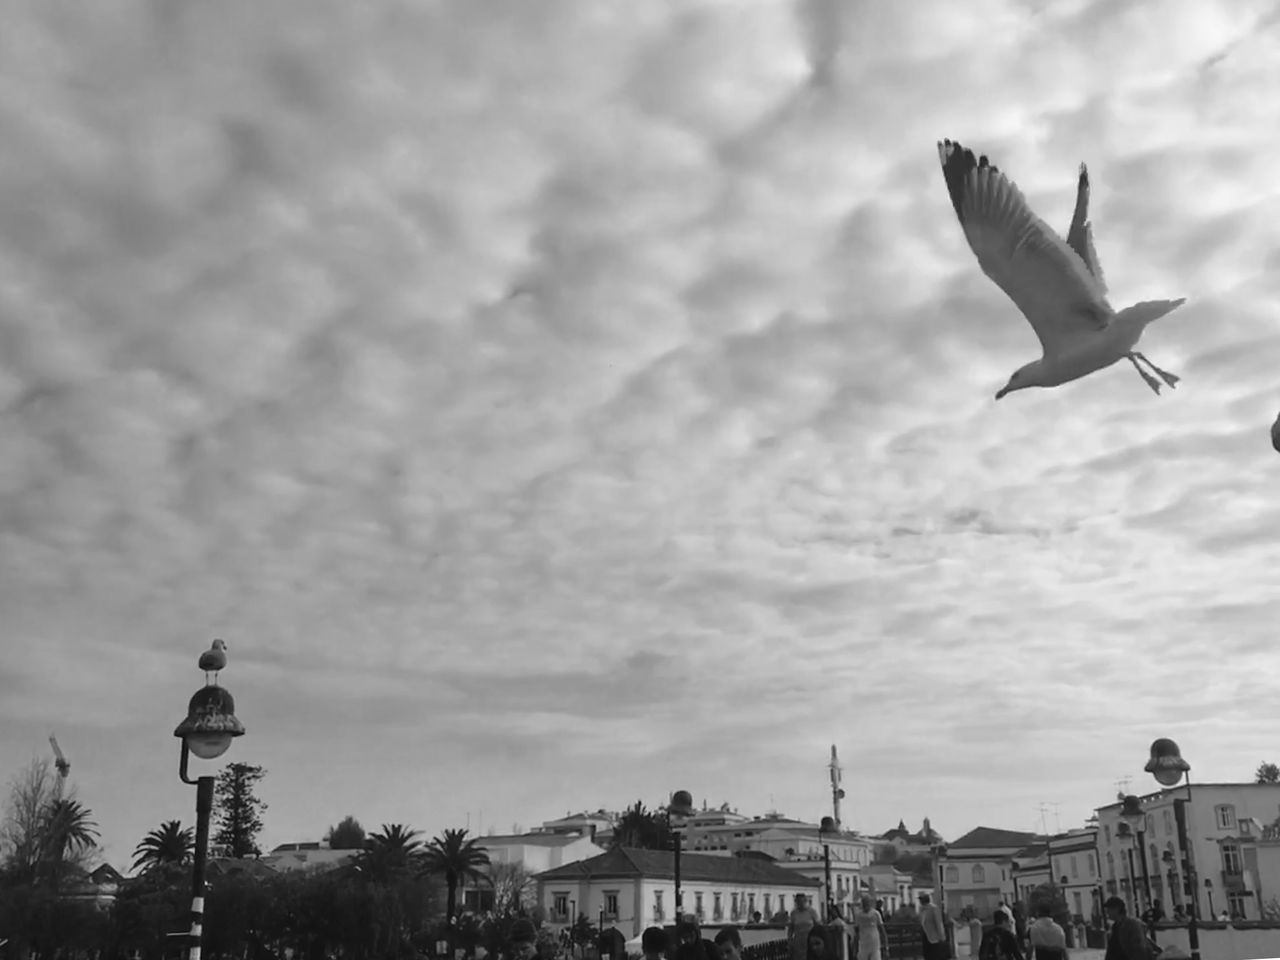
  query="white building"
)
[
  {"x": 533, "y": 853},
  {"x": 1073, "y": 866},
  {"x": 631, "y": 889},
  {"x": 316, "y": 855},
  {"x": 977, "y": 870},
  {"x": 1224, "y": 824}
]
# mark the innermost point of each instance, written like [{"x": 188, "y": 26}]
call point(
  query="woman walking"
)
[{"x": 868, "y": 931}]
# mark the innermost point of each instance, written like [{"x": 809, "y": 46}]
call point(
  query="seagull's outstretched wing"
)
[
  {"x": 1021, "y": 254},
  {"x": 1080, "y": 233}
]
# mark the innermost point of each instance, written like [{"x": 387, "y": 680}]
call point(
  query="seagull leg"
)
[
  {"x": 1152, "y": 382},
  {"x": 1165, "y": 375}
]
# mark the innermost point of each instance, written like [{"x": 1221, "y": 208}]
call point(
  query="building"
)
[
  {"x": 596, "y": 825},
  {"x": 631, "y": 889},
  {"x": 514, "y": 859},
  {"x": 1072, "y": 862},
  {"x": 897, "y": 888},
  {"x": 1029, "y": 869},
  {"x": 924, "y": 839},
  {"x": 1225, "y": 831},
  {"x": 729, "y": 832},
  {"x": 315, "y": 855},
  {"x": 977, "y": 869},
  {"x": 97, "y": 887}
]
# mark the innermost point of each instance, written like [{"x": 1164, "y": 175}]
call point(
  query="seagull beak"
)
[{"x": 1001, "y": 392}]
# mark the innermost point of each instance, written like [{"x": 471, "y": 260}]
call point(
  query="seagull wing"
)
[
  {"x": 1022, "y": 255},
  {"x": 1080, "y": 233}
]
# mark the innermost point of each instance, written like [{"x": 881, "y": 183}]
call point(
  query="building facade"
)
[
  {"x": 630, "y": 889},
  {"x": 1072, "y": 862},
  {"x": 977, "y": 869},
  {"x": 1225, "y": 823}
]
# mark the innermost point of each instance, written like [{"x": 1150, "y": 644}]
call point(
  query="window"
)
[
  {"x": 1246, "y": 828},
  {"x": 953, "y": 874},
  {"x": 1151, "y": 823},
  {"x": 1093, "y": 867},
  {"x": 658, "y": 912},
  {"x": 768, "y": 905},
  {"x": 717, "y": 908},
  {"x": 751, "y": 905},
  {"x": 979, "y": 875},
  {"x": 611, "y": 903},
  {"x": 1111, "y": 865},
  {"x": 1155, "y": 858},
  {"x": 560, "y": 907},
  {"x": 1075, "y": 870},
  {"x": 697, "y": 905},
  {"x": 1238, "y": 905},
  {"x": 1106, "y": 832},
  {"x": 1226, "y": 816},
  {"x": 734, "y": 912},
  {"x": 1076, "y": 896},
  {"x": 1231, "y": 859},
  {"x": 1168, "y": 822}
]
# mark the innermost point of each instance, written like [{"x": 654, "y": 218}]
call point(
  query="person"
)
[
  {"x": 975, "y": 932},
  {"x": 757, "y": 917},
  {"x": 801, "y": 920},
  {"x": 935, "y": 931},
  {"x": 1020, "y": 923},
  {"x": 690, "y": 944},
  {"x": 1223, "y": 916},
  {"x": 869, "y": 935},
  {"x": 1178, "y": 914},
  {"x": 817, "y": 942},
  {"x": 1000, "y": 943},
  {"x": 1127, "y": 940},
  {"x": 729, "y": 940},
  {"x": 522, "y": 942},
  {"x": 653, "y": 943},
  {"x": 1048, "y": 939}
]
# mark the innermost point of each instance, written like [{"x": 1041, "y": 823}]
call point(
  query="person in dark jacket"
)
[
  {"x": 690, "y": 944},
  {"x": 1127, "y": 941},
  {"x": 1000, "y": 943}
]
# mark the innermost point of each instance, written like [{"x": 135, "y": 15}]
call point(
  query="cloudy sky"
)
[{"x": 558, "y": 404}]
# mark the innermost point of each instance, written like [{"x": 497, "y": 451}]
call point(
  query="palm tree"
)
[
  {"x": 67, "y": 827},
  {"x": 458, "y": 859},
  {"x": 168, "y": 844},
  {"x": 392, "y": 853}
]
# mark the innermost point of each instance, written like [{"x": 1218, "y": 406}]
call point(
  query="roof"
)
[
  {"x": 626, "y": 862},
  {"x": 1032, "y": 852},
  {"x": 534, "y": 839},
  {"x": 986, "y": 838}
]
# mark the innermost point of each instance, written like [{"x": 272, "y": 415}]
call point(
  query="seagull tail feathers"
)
[{"x": 1148, "y": 311}]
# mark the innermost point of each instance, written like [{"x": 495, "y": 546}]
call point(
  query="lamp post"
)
[
  {"x": 1168, "y": 767},
  {"x": 1125, "y": 833},
  {"x": 678, "y": 810},
  {"x": 1208, "y": 889},
  {"x": 825, "y": 829},
  {"x": 939, "y": 852},
  {"x": 1132, "y": 814},
  {"x": 207, "y": 732}
]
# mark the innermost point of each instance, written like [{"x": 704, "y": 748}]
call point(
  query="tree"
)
[
  {"x": 646, "y": 829},
  {"x": 458, "y": 859},
  {"x": 512, "y": 887},
  {"x": 239, "y": 811},
  {"x": 21, "y": 831},
  {"x": 68, "y": 828},
  {"x": 347, "y": 835},
  {"x": 169, "y": 843},
  {"x": 1267, "y": 773},
  {"x": 391, "y": 854}
]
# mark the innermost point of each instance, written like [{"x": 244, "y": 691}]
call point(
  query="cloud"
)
[{"x": 599, "y": 399}]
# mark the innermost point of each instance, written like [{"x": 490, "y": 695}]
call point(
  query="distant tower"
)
[{"x": 837, "y": 792}]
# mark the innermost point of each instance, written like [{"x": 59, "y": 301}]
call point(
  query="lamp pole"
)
[
  {"x": 939, "y": 852},
  {"x": 825, "y": 829},
  {"x": 1168, "y": 767},
  {"x": 678, "y": 810},
  {"x": 207, "y": 732}
]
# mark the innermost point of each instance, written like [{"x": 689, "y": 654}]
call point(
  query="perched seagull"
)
[
  {"x": 213, "y": 660},
  {"x": 1057, "y": 285}
]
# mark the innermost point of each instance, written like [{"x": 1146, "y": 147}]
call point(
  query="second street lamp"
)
[
  {"x": 678, "y": 810},
  {"x": 1168, "y": 767},
  {"x": 207, "y": 732},
  {"x": 1131, "y": 813}
]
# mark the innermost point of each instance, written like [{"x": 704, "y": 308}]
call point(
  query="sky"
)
[{"x": 557, "y": 405}]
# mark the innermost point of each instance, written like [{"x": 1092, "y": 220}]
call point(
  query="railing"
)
[{"x": 769, "y": 950}]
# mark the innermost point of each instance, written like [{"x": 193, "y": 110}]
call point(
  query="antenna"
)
[
  {"x": 1057, "y": 819},
  {"x": 1122, "y": 785},
  {"x": 1044, "y": 827},
  {"x": 837, "y": 792}
]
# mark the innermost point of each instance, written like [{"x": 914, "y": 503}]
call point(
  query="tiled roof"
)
[
  {"x": 990, "y": 837},
  {"x": 694, "y": 867},
  {"x": 534, "y": 839}
]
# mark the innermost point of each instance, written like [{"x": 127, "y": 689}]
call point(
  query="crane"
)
[{"x": 63, "y": 766}]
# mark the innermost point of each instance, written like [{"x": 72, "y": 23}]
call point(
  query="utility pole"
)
[{"x": 837, "y": 792}]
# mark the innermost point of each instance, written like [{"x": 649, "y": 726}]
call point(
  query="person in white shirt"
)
[{"x": 1048, "y": 939}]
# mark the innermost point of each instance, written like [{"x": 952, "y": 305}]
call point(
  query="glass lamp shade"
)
[{"x": 1166, "y": 763}]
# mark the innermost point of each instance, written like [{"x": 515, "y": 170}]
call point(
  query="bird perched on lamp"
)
[{"x": 213, "y": 660}]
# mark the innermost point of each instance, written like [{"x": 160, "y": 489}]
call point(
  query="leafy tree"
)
[
  {"x": 513, "y": 887},
  {"x": 346, "y": 835},
  {"x": 393, "y": 853},
  {"x": 1057, "y": 900},
  {"x": 169, "y": 843},
  {"x": 458, "y": 859},
  {"x": 1267, "y": 773},
  {"x": 68, "y": 828},
  {"x": 646, "y": 829},
  {"x": 239, "y": 811}
]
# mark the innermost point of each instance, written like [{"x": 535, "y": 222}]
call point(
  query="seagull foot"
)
[
  {"x": 1152, "y": 382},
  {"x": 1165, "y": 375}
]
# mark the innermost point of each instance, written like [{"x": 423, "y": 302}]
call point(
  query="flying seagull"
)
[
  {"x": 1275, "y": 435},
  {"x": 1057, "y": 284},
  {"x": 213, "y": 660}
]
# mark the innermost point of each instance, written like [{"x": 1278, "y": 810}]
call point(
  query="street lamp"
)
[
  {"x": 1131, "y": 813},
  {"x": 1124, "y": 833},
  {"x": 1168, "y": 767},
  {"x": 939, "y": 852},
  {"x": 207, "y": 732},
  {"x": 1208, "y": 889},
  {"x": 825, "y": 829},
  {"x": 679, "y": 809}
]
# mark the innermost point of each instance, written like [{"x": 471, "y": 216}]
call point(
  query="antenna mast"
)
[{"x": 837, "y": 792}]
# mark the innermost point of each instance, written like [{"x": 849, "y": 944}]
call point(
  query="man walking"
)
[
  {"x": 1127, "y": 940},
  {"x": 935, "y": 931}
]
